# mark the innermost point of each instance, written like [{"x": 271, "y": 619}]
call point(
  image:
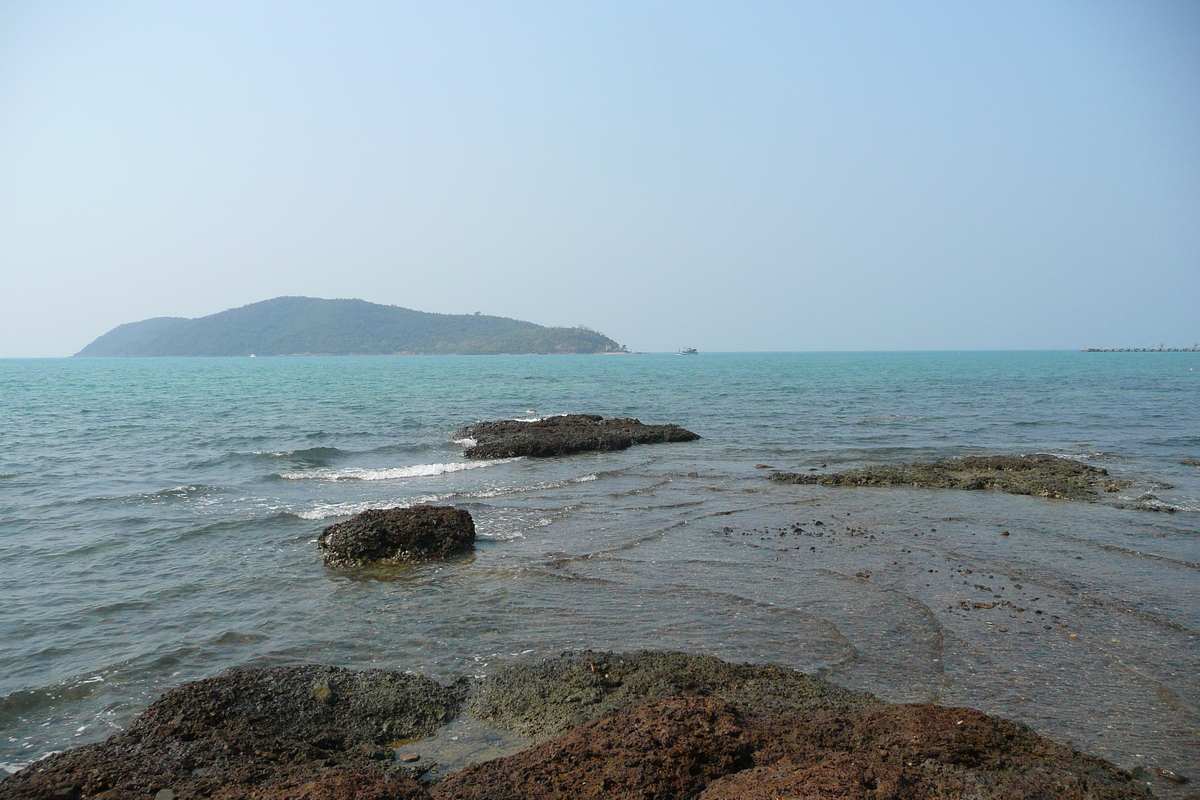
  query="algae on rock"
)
[{"x": 1039, "y": 474}]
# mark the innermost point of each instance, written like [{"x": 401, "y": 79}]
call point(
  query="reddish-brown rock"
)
[
  {"x": 917, "y": 752},
  {"x": 686, "y": 747},
  {"x": 667, "y": 726},
  {"x": 665, "y": 748}
]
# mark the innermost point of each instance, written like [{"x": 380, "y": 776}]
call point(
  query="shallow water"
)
[{"x": 160, "y": 517}]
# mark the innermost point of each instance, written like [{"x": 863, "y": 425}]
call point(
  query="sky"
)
[{"x": 727, "y": 176}]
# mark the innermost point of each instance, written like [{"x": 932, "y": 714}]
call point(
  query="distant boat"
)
[{"x": 687, "y": 351}]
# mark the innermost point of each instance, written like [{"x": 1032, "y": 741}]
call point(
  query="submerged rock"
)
[
  {"x": 396, "y": 535},
  {"x": 559, "y": 436},
  {"x": 286, "y": 732},
  {"x": 1039, "y": 474}
]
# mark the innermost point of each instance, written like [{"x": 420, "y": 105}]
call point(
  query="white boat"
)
[{"x": 687, "y": 351}]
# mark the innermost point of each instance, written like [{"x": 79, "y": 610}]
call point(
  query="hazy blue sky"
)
[{"x": 729, "y": 176}]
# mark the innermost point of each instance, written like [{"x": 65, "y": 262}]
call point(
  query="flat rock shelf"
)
[
  {"x": 1040, "y": 474},
  {"x": 563, "y": 435}
]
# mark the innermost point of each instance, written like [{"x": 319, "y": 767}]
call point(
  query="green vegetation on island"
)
[{"x": 288, "y": 326}]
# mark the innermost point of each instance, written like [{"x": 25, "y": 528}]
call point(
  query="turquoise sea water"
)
[{"x": 158, "y": 521}]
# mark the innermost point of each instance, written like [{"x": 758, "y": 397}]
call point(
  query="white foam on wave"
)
[
  {"x": 1088, "y": 456},
  {"x": 1151, "y": 503},
  {"x": 327, "y": 510},
  {"x": 467, "y": 442},
  {"x": 391, "y": 473},
  {"x": 498, "y": 491},
  {"x": 12, "y": 767},
  {"x": 1148, "y": 501},
  {"x": 349, "y": 509},
  {"x": 537, "y": 419}
]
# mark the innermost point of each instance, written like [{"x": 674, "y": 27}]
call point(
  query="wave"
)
[
  {"x": 536, "y": 418},
  {"x": 299, "y": 457},
  {"x": 1152, "y": 503},
  {"x": 391, "y": 473},
  {"x": 326, "y": 510},
  {"x": 312, "y": 454},
  {"x": 174, "y": 494},
  {"x": 1090, "y": 456},
  {"x": 27, "y": 701},
  {"x": 307, "y": 456},
  {"x": 183, "y": 492},
  {"x": 500, "y": 491},
  {"x": 515, "y": 526}
]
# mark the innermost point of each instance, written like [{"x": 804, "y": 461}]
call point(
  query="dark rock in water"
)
[
  {"x": 1039, "y": 474},
  {"x": 559, "y": 436},
  {"x": 396, "y": 535},
  {"x": 287, "y": 732}
]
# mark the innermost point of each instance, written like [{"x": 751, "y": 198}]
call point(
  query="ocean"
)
[{"x": 158, "y": 524}]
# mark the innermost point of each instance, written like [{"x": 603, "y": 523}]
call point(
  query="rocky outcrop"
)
[
  {"x": 289, "y": 732},
  {"x": 661, "y": 725},
  {"x": 672, "y": 747},
  {"x": 560, "y": 436},
  {"x": 1039, "y": 474},
  {"x": 706, "y": 747},
  {"x": 397, "y": 535},
  {"x": 672, "y": 725}
]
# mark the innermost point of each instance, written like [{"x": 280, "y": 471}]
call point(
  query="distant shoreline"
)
[{"x": 1192, "y": 349}]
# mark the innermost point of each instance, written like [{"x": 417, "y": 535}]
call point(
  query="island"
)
[{"x": 294, "y": 326}]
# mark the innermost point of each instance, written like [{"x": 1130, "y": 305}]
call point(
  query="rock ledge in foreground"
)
[
  {"x": 1039, "y": 474},
  {"x": 397, "y": 535},
  {"x": 560, "y": 436},
  {"x": 650, "y": 724},
  {"x": 674, "y": 725},
  {"x": 279, "y": 733}
]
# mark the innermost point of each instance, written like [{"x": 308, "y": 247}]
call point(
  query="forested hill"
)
[{"x": 310, "y": 326}]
